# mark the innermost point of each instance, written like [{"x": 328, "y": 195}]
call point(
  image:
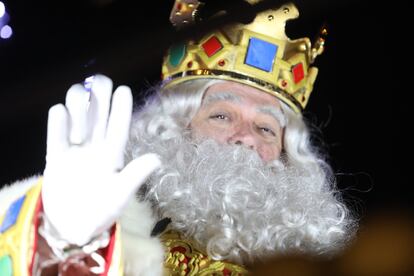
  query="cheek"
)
[
  {"x": 269, "y": 152},
  {"x": 204, "y": 131}
]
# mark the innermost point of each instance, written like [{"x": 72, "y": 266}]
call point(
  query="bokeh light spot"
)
[
  {"x": 6, "y": 32},
  {"x": 2, "y": 9}
]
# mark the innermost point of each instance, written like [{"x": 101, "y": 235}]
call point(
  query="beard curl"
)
[{"x": 238, "y": 208}]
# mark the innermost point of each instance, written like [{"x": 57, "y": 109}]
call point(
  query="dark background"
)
[{"x": 360, "y": 102}]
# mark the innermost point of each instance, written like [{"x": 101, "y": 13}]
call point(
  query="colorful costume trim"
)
[
  {"x": 18, "y": 237},
  {"x": 17, "y": 234}
]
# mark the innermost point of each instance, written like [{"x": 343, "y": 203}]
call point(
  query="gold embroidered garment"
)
[{"x": 184, "y": 258}]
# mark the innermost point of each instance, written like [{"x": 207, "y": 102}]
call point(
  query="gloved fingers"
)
[
  {"x": 99, "y": 106},
  {"x": 57, "y": 130},
  {"x": 77, "y": 101},
  {"x": 118, "y": 125},
  {"x": 136, "y": 172}
]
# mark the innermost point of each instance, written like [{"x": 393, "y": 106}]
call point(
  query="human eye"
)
[
  {"x": 267, "y": 131},
  {"x": 220, "y": 116}
]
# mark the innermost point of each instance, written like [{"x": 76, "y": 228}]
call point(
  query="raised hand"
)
[{"x": 85, "y": 184}]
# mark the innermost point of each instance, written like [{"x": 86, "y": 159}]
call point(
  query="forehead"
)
[{"x": 246, "y": 94}]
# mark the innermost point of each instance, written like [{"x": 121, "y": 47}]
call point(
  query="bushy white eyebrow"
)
[
  {"x": 274, "y": 112},
  {"x": 221, "y": 96}
]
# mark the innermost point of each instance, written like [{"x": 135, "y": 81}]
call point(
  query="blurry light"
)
[
  {"x": 6, "y": 32},
  {"x": 2, "y": 9}
]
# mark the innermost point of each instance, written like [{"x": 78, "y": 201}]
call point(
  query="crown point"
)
[{"x": 184, "y": 12}]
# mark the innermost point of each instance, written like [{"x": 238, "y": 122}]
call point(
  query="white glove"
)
[{"x": 85, "y": 185}]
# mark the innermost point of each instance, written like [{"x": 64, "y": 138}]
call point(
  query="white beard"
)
[{"x": 238, "y": 208}]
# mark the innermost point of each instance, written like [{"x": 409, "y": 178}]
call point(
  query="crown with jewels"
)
[{"x": 258, "y": 54}]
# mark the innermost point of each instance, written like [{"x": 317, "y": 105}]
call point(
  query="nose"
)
[{"x": 243, "y": 136}]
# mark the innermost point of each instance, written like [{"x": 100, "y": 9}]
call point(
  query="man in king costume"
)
[{"x": 214, "y": 173}]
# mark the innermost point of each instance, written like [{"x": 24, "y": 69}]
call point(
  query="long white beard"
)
[{"x": 238, "y": 208}]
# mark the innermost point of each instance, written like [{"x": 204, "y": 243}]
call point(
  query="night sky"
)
[{"x": 359, "y": 105}]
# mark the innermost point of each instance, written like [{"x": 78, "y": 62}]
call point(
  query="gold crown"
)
[{"x": 258, "y": 54}]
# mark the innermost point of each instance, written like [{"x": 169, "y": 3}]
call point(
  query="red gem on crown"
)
[{"x": 212, "y": 46}]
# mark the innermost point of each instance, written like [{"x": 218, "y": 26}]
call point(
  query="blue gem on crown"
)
[{"x": 261, "y": 54}]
